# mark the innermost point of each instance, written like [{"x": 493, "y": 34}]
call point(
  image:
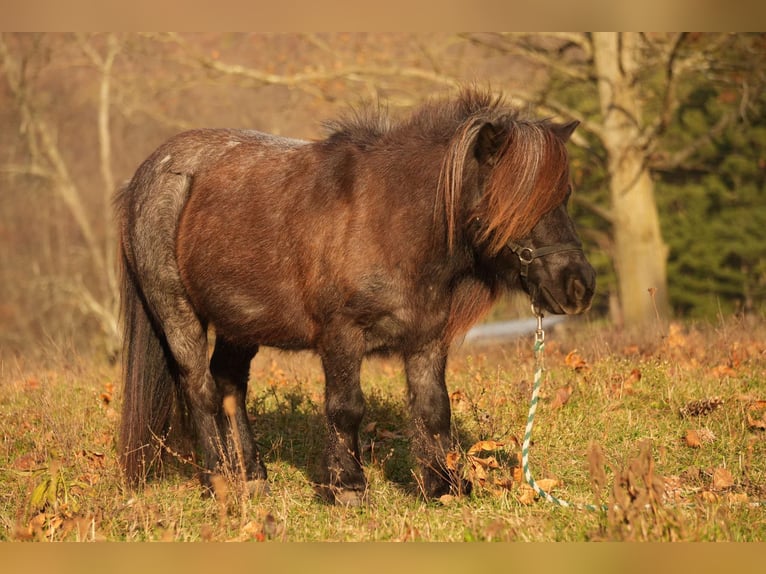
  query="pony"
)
[{"x": 390, "y": 237}]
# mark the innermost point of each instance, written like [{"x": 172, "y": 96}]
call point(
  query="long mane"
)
[{"x": 528, "y": 177}]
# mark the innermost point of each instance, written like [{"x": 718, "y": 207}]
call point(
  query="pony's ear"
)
[
  {"x": 488, "y": 142},
  {"x": 565, "y": 131}
]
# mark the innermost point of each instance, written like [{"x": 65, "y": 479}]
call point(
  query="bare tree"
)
[{"x": 46, "y": 159}]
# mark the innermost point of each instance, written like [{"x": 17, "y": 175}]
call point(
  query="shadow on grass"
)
[{"x": 290, "y": 427}]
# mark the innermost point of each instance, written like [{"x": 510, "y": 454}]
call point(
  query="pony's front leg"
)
[
  {"x": 430, "y": 408},
  {"x": 344, "y": 481}
]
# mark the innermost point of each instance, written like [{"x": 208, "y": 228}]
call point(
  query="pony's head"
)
[{"x": 505, "y": 184}]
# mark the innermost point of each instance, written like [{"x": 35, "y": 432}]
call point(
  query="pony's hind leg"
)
[
  {"x": 186, "y": 338},
  {"x": 203, "y": 400},
  {"x": 230, "y": 367}
]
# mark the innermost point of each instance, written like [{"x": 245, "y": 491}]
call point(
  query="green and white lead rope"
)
[{"x": 539, "y": 348}]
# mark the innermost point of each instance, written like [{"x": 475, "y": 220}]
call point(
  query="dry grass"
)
[{"x": 668, "y": 432}]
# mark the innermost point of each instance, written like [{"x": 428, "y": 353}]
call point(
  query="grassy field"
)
[{"x": 666, "y": 431}]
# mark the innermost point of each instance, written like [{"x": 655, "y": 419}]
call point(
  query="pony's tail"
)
[{"x": 149, "y": 400}]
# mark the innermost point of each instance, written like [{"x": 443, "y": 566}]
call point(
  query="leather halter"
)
[{"x": 528, "y": 254}]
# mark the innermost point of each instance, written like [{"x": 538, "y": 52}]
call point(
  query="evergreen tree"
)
[{"x": 714, "y": 212}]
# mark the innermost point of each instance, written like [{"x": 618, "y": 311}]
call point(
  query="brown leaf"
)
[
  {"x": 547, "y": 484},
  {"x": 708, "y": 496},
  {"x": 25, "y": 462},
  {"x": 756, "y": 415},
  {"x": 489, "y": 462},
  {"x": 370, "y": 427},
  {"x": 633, "y": 378},
  {"x": 459, "y": 401},
  {"x": 484, "y": 445},
  {"x": 447, "y": 499},
  {"x": 692, "y": 439},
  {"x": 526, "y": 494},
  {"x": 676, "y": 337},
  {"x": 722, "y": 479},
  {"x": 518, "y": 473},
  {"x": 451, "y": 460},
  {"x": 32, "y": 383},
  {"x": 737, "y": 498},
  {"x": 576, "y": 362},
  {"x": 631, "y": 350},
  {"x": 722, "y": 371},
  {"x": 695, "y": 438},
  {"x": 504, "y": 483},
  {"x": 561, "y": 397}
]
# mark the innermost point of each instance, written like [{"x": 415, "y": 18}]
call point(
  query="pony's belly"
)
[{"x": 254, "y": 321}]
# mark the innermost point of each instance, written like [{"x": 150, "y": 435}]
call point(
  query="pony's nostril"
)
[
  {"x": 577, "y": 289},
  {"x": 580, "y": 291}
]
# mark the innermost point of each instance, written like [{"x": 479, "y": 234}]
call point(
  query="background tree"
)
[{"x": 628, "y": 89}]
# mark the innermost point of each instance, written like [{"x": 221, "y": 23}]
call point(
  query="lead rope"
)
[{"x": 539, "y": 367}]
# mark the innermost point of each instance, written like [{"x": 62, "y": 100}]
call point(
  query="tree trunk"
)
[{"x": 640, "y": 253}]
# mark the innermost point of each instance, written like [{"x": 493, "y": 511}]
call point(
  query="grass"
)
[{"x": 666, "y": 431}]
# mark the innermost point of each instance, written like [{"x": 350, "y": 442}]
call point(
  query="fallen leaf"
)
[
  {"x": 722, "y": 371},
  {"x": 708, "y": 496},
  {"x": 576, "y": 362},
  {"x": 25, "y": 462},
  {"x": 561, "y": 397},
  {"x": 459, "y": 402},
  {"x": 737, "y": 498},
  {"x": 370, "y": 427},
  {"x": 547, "y": 484},
  {"x": 489, "y": 462},
  {"x": 451, "y": 460},
  {"x": 676, "y": 338},
  {"x": 526, "y": 495},
  {"x": 756, "y": 415},
  {"x": 32, "y": 384},
  {"x": 722, "y": 479},
  {"x": 695, "y": 438},
  {"x": 692, "y": 439},
  {"x": 518, "y": 473},
  {"x": 505, "y": 483},
  {"x": 633, "y": 378},
  {"x": 484, "y": 445},
  {"x": 446, "y": 499}
]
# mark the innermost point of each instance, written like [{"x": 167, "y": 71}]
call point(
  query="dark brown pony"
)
[{"x": 378, "y": 239}]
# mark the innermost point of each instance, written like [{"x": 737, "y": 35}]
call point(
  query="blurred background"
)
[{"x": 669, "y": 163}]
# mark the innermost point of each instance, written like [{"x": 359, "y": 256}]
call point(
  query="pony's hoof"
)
[{"x": 258, "y": 488}]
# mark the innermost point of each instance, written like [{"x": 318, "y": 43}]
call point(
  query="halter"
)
[{"x": 528, "y": 254}]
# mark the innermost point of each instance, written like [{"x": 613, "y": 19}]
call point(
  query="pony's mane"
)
[
  {"x": 529, "y": 172},
  {"x": 435, "y": 120},
  {"x": 529, "y": 176}
]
